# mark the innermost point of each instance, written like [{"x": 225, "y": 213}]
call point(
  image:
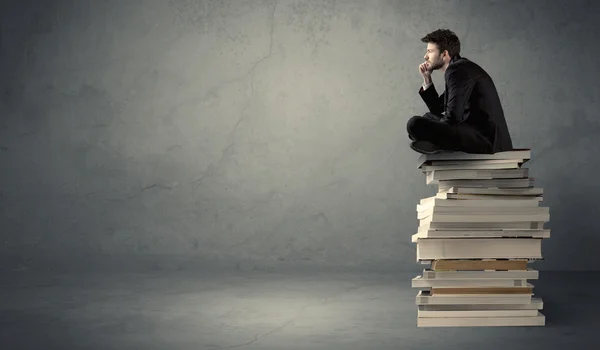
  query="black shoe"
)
[{"x": 425, "y": 147}]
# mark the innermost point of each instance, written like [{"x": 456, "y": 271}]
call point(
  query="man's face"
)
[{"x": 433, "y": 57}]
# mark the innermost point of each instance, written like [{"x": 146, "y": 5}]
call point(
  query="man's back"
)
[{"x": 483, "y": 109}]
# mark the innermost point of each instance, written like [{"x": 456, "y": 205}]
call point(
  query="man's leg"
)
[
  {"x": 430, "y": 135},
  {"x": 472, "y": 141},
  {"x": 410, "y": 126},
  {"x": 429, "y": 128}
]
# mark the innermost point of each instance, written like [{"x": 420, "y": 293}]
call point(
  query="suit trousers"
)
[{"x": 459, "y": 137}]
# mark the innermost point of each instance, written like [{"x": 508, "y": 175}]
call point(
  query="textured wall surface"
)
[{"x": 266, "y": 132}]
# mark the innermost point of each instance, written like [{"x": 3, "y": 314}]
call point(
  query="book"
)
[
  {"x": 478, "y": 233},
  {"x": 499, "y": 273},
  {"x": 421, "y": 282},
  {"x": 435, "y": 176},
  {"x": 472, "y": 165},
  {"x": 436, "y": 201},
  {"x": 523, "y": 154},
  {"x": 494, "y": 192},
  {"x": 479, "y": 248},
  {"x": 483, "y": 321},
  {"x": 479, "y": 265},
  {"x": 481, "y": 233}
]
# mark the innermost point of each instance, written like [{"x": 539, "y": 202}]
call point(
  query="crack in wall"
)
[{"x": 212, "y": 169}]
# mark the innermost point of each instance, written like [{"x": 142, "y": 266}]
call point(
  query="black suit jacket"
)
[{"x": 470, "y": 97}]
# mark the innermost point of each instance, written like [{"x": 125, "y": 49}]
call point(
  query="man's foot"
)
[{"x": 425, "y": 147}]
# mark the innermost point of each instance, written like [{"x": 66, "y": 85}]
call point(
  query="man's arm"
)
[
  {"x": 459, "y": 87},
  {"x": 434, "y": 102}
]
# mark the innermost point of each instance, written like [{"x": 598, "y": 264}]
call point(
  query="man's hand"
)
[{"x": 425, "y": 70}]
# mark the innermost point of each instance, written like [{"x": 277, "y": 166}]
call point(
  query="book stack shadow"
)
[{"x": 477, "y": 237}]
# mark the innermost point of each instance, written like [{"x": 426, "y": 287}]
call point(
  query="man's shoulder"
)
[{"x": 464, "y": 65}]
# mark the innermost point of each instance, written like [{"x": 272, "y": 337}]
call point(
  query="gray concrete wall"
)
[{"x": 176, "y": 133}]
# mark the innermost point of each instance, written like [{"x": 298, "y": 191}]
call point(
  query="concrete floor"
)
[{"x": 259, "y": 310}]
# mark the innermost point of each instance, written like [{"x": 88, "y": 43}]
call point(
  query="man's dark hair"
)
[{"x": 445, "y": 39}]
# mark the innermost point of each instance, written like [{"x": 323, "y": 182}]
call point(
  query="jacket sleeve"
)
[
  {"x": 459, "y": 86},
  {"x": 434, "y": 102}
]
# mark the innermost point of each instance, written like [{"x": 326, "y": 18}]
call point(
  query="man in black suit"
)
[{"x": 468, "y": 116}]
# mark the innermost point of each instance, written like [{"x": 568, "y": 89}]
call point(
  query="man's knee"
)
[{"x": 413, "y": 123}]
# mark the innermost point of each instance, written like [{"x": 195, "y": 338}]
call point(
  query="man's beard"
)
[{"x": 437, "y": 65}]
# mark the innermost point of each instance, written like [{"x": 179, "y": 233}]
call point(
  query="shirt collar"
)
[{"x": 455, "y": 58}]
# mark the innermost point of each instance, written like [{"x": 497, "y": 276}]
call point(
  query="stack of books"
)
[{"x": 478, "y": 234}]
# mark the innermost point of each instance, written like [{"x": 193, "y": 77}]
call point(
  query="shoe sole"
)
[{"x": 425, "y": 152}]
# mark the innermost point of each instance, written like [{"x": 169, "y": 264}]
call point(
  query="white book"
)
[
  {"x": 437, "y": 175},
  {"x": 499, "y": 233},
  {"x": 480, "y": 210},
  {"x": 515, "y": 321},
  {"x": 523, "y": 153},
  {"x": 500, "y": 164},
  {"x": 425, "y": 225},
  {"x": 534, "y": 304},
  {"x": 487, "y": 217},
  {"x": 435, "y": 201},
  {"x": 420, "y": 282},
  {"x": 445, "y": 185},
  {"x": 479, "y": 248},
  {"x": 423, "y": 211},
  {"x": 466, "y": 196},
  {"x": 530, "y": 191},
  {"x": 529, "y": 274},
  {"x": 476, "y": 313},
  {"x": 425, "y": 298}
]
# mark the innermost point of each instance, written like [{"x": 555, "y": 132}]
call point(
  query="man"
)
[{"x": 468, "y": 117}]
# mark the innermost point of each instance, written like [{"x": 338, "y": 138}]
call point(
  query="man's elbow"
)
[
  {"x": 455, "y": 117},
  {"x": 459, "y": 117}
]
